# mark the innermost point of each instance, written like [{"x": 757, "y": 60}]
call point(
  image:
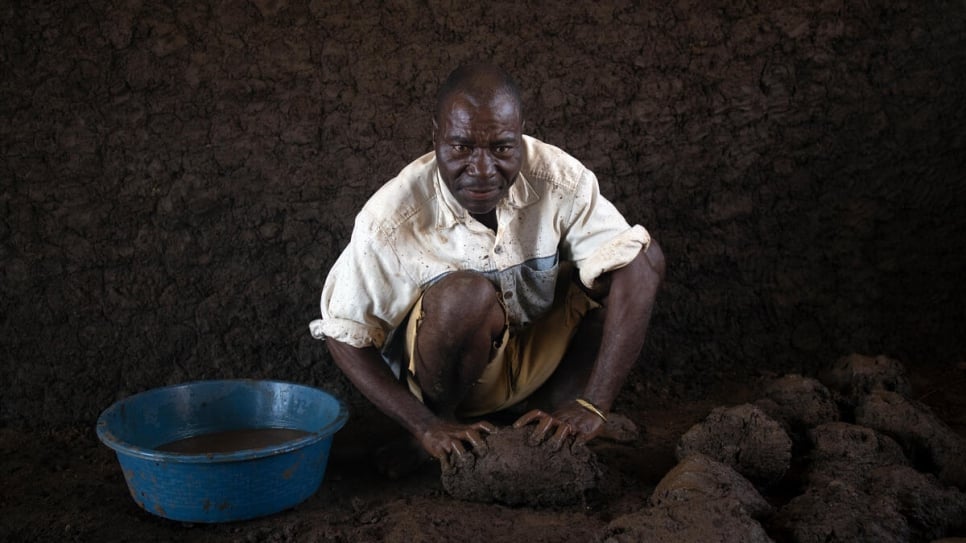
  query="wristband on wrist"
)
[{"x": 592, "y": 408}]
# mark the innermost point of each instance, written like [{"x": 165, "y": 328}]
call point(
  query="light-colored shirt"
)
[{"x": 412, "y": 232}]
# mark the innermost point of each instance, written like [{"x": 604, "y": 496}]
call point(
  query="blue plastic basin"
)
[{"x": 220, "y": 487}]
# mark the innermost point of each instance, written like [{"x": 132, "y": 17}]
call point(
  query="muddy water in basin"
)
[{"x": 233, "y": 440}]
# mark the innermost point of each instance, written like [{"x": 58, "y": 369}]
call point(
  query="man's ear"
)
[
  {"x": 523, "y": 126},
  {"x": 435, "y": 128}
]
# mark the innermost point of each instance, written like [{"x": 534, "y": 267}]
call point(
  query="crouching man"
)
[{"x": 489, "y": 275}]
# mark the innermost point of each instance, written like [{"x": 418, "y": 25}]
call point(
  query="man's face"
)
[{"x": 479, "y": 148}]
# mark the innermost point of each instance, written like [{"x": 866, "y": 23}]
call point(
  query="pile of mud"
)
[{"x": 849, "y": 457}]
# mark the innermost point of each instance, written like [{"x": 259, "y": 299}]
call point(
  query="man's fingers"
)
[
  {"x": 540, "y": 432},
  {"x": 475, "y": 439},
  {"x": 557, "y": 430},
  {"x": 444, "y": 462},
  {"x": 529, "y": 417},
  {"x": 563, "y": 432},
  {"x": 524, "y": 420},
  {"x": 456, "y": 447},
  {"x": 485, "y": 426}
]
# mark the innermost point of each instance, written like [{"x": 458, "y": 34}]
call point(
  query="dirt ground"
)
[{"x": 65, "y": 486}]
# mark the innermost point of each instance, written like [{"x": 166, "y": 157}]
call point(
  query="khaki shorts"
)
[{"x": 522, "y": 361}]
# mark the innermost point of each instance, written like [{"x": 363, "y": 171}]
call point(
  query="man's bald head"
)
[{"x": 480, "y": 83}]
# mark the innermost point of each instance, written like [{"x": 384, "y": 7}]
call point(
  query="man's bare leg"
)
[{"x": 462, "y": 318}]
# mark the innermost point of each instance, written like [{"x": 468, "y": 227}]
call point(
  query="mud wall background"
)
[{"x": 177, "y": 177}]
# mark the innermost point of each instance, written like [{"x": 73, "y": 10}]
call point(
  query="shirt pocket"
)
[{"x": 528, "y": 289}]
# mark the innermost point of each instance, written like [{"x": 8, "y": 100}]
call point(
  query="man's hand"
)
[
  {"x": 447, "y": 438},
  {"x": 570, "y": 420}
]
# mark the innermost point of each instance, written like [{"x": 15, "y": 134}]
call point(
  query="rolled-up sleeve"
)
[
  {"x": 599, "y": 238},
  {"x": 367, "y": 292}
]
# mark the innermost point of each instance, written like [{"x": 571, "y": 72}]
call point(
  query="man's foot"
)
[{"x": 400, "y": 457}]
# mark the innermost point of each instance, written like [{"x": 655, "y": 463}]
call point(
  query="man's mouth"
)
[{"x": 481, "y": 193}]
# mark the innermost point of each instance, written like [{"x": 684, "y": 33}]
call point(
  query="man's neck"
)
[{"x": 487, "y": 219}]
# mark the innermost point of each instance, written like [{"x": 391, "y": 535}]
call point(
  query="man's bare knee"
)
[
  {"x": 461, "y": 319},
  {"x": 463, "y": 298}
]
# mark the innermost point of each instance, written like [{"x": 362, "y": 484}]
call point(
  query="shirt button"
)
[
  {"x": 498, "y": 249},
  {"x": 507, "y": 295}
]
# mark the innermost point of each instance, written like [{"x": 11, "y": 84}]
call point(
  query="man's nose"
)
[{"x": 482, "y": 165}]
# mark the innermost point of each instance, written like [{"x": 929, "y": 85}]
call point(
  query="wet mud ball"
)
[
  {"x": 722, "y": 521},
  {"x": 929, "y": 441},
  {"x": 743, "y": 437},
  {"x": 798, "y": 403},
  {"x": 844, "y": 451},
  {"x": 514, "y": 472},
  {"x": 698, "y": 479}
]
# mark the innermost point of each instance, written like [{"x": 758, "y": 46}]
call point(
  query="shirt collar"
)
[{"x": 450, "y": 213}]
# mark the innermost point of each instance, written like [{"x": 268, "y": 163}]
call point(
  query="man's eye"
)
[
  {"x": 503, "y": 149},
  {"x": 460, "y": 148}
]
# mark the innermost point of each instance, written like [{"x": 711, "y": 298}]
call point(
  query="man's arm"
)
[
  {"x": 629, "y": 304},
  {"x": 370, "y": 374}
]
